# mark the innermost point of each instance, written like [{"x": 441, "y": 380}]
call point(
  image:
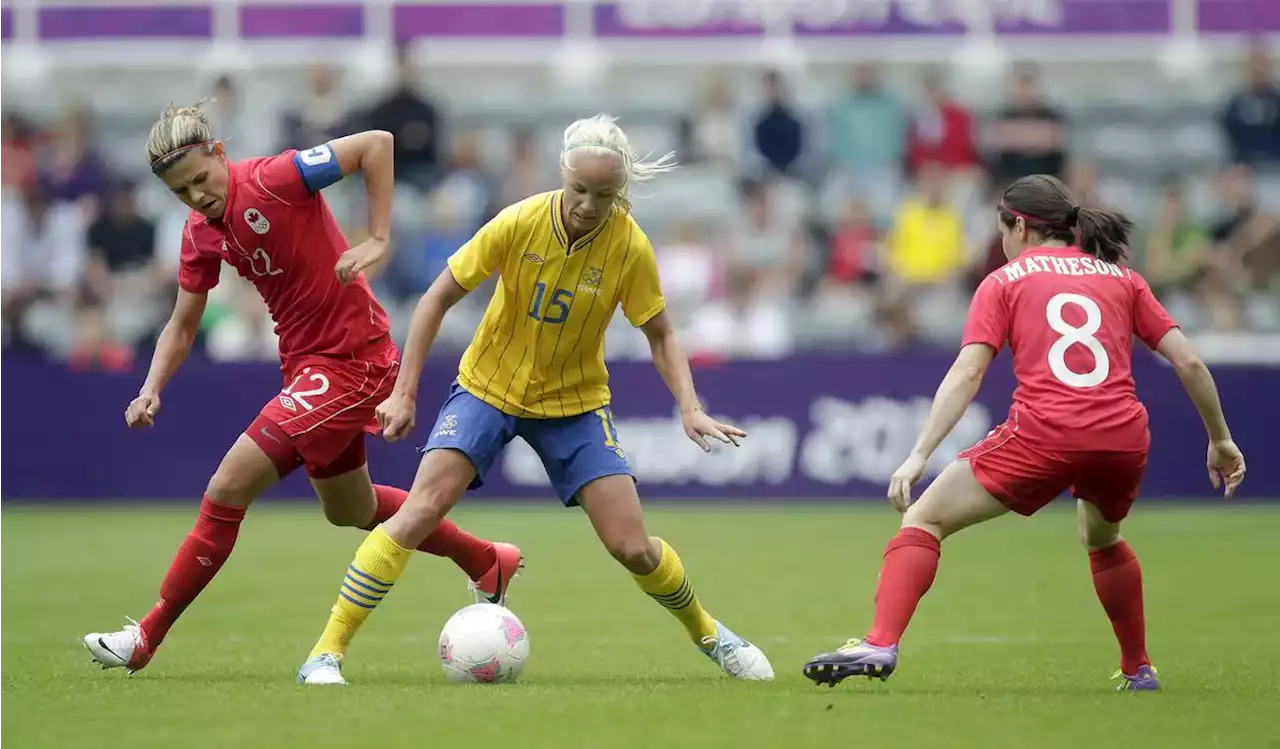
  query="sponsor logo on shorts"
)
[
  {"x": 256, "y": 221},
  {"x": 448, "y": 427}
]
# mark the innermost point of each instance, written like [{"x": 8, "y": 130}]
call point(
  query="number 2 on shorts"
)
[{"x": 1083, "y": 335}]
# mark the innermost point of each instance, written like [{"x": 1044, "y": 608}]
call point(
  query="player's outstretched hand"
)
[
  {"x": 396, "y": 416},
  {"x": 698, "y": 426},
  {"x": 142, "y": 411},
  {"x": 903, "y": 479},
  {"x": 356, "y": 260},
  {"x": 1226, "y": 466}
]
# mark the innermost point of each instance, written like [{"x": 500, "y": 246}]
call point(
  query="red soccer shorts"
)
[
  {"x": 326, "y": 407},
  {"x": 1026, "y": 479}
]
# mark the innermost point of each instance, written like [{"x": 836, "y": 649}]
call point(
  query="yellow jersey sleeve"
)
[
  {"x": 483, "y": 254},
  {"x": 641, "y": 289}
]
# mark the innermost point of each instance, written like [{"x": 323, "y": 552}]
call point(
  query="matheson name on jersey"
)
[{"x": 1063, "y": 266}]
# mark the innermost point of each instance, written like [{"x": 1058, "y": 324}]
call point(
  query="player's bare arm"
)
[
  {"x": 370, "y": 153},
  {"x": 1225, "y": 461},
  {"x": 673, "y": 365},
  {"x": 396, "y": 414},
  {"x": 172, "y": 348},
  {"x": 954, "y": 395}
]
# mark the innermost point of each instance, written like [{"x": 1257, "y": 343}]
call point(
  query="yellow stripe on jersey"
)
[{"x": 539, "y": 351}]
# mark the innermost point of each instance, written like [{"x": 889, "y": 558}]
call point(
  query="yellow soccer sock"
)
[
  {"x": 378, "y": 564},
  {"x": 670, "y": 586}
]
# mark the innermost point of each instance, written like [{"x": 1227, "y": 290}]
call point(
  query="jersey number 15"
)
[
  {"x": 1083, "y": 335},
  {"x": 557, "y": 309}
]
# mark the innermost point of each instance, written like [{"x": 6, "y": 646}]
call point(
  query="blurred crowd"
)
[{"x": 866, "y": 224}]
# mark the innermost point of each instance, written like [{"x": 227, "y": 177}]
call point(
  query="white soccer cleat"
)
[
  {"x": 737, "y": 657},
  {"x": 125, "y": 649},
  {"x": 323, "y": 670}
]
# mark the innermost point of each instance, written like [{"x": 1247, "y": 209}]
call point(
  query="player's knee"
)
[
  {"x": 346, "y": 516},
  {"x": 231, "y": 488},
  {"x": 431, "y": 499},
  {"x": 1095, "y": 536},
  {"x": 635, "y": 552},
  {"x": 922, "y": 515},
  {"x": 1095, "y": 531}
]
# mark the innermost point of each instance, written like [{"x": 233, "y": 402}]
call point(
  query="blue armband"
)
[{"x": 318, "y": 167}]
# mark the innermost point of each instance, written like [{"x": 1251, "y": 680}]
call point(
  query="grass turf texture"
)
[{"x": 1009, "y": 649}]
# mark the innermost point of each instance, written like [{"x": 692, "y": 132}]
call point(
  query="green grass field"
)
[{"x": 1010, "y": 649}]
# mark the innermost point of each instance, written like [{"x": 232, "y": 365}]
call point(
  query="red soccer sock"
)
[
  {"x": 475, "y": 556},
  {"x": 1117, "y": 577},
  {"x": 195, "y": 565},
  {"x": 910, "y": 562}
]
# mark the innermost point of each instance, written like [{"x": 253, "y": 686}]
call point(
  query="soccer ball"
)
[{"x": 483, "y": 642}]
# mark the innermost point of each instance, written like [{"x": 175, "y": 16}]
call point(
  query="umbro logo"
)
[{"x": 533, "y": 257}]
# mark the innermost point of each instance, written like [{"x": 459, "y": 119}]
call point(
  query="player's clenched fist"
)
[
  {"x": 142, "y": 411},
  {"x": 396, "y": 416}
]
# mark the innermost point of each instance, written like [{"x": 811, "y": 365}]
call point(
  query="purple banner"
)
[
  {"x": 124, "y": 21},
  {"x": 413, "y": 20},
  {"x": 831, "y": 428},
  {"x": 302, "y": 20},
  {"x": 6, "y": 23},
  {"x": 1238, "y": 16},
  {"x": 730, "y": 18}
]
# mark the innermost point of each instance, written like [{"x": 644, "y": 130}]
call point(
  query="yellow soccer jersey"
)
[{"x": 539, "y": 351}]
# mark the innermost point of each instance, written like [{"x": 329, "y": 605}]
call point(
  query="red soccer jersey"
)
[
  {"x": 278, "y": 233},
  {"x": 1070, "y": 320}
]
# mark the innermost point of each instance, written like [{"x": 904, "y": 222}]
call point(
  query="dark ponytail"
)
[
  {"x": 1048, "y": 208},
  {"x": 1104, "y": 234}
]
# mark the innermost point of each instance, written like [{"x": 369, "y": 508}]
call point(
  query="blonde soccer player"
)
[{"x": 565, "y": 261}]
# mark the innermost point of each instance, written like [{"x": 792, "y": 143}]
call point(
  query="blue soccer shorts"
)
[{"x": 575, "y": 450}]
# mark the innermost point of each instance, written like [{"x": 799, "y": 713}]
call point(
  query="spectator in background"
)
[
  {"x": 926, "y": 244},
  {"x": 323, "y": 114},
  {"x": 1247, "y": 237},
  {"x": 740, "y": 325},
  {"x": 43, "y": 248},
  {"x": 127, "y": 291},
  {"x": 473, "y": 187},
  {"x": 17, "y": 157},
  {"x": 925, "y": 260},
  {"x": 867, "y": 134},
  {"x": 767, "y": 245},
  {"x": 1029, "y": 136},
  {"x": 246, "y": 131},
  {"x": 778, "y": 134},
  {"x": 854, "y": 261},
  {"x": 1176, "y": 247},
  {"x": 414, "y": 122},
  {"x": 526, "y": 174},
  {"x": 1251, "y": 119},
  {"x": 941, "y": 132},
  {"x": 715, "y": 127},
  {"x": 71, "y": 170}
]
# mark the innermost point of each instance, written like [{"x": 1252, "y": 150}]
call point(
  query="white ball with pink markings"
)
[{"x": 484, "y": 643}]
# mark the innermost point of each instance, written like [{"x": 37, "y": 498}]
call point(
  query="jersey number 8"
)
[{"x": 1083, "y": 335}]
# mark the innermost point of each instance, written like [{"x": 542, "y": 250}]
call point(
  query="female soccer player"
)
[
  {"x": 1069, "y": 312},
  {"x": 266, "y": 218},
  {"x": 565, "y": 261}
]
